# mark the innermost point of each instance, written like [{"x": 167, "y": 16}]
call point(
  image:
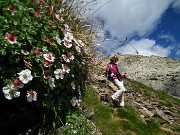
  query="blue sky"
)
[
  {"x": 168, "y": 32},
  {"x": 151, "y": 26}
]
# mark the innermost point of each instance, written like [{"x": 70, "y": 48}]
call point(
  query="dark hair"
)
[{"x": 114, "y": 58}]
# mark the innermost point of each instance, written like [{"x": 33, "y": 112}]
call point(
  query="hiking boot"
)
[
  {"x": 112, "y": 102},
  {"x": 125, "y": 91},
  {"x": 122, "y": 104}
]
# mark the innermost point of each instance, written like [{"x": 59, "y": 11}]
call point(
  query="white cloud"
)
[
  {"x": 145, "y": 47},
  {"x": 178, "y": 52},
  {"x": 167, "y": 37},
  {"x": 129, "y": 17}
]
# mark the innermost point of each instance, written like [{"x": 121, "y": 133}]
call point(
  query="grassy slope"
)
[{"x": 126, "y": 120}]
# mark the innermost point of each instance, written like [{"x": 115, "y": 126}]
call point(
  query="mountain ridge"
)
[{"x": 160, "y": 73}]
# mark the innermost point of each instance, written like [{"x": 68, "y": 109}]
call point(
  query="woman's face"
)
[{"x": 114, "y": 61}]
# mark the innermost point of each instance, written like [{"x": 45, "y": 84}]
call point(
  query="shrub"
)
[
  {"x": 78, "y": 124},
  {"x": 44, "y": 56}
]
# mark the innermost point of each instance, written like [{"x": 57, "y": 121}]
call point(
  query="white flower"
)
[
  {"x": 25, "y": 76},
  {"x": 65, "y": 58},
  {"x": 67, "y": 27},
  {"x": 67, "y": 44},
  {"x": 73, "y": 85},
  {"x": 78, "y": 48},
  {"x": 58, "y": 39},
  {"x": 47, "y": 63},
  {"x": 65, "y": 68},
  {"x": 46, "y": 74},
  {"x": 10, "y": 91},
  {"x": 60, "y": 18},
  {"x": 59, "y": 73},
  {"x": 78, "y": 103},
  {"x": 73, "y": 101},
  {"x": 68, "y": 37},
  {"x": 74, "y": 131},
  {"x": 51, "y": 82},
  {"x": 31, "y": 96},
  {"x": 11, "y": 38},
  {"x": 49, "y": 57},
  {"x": 70, "y": 56}
]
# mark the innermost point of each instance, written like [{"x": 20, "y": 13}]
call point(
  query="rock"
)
[
  {"x": 170, "y": 113},
  {"x": 112, "y": 86},
  {"x": 142, "y": 116},
  {"x": 161, "y": 114},
  {"x": 95, "y": 87},
  {"x": 147, "y": 112},
  {"x": 167, "y": 130},
  {"x": 62, "y": 129},
  {"x": 104, "y": 97},
  {"x": 88, "y": 113},
  {"x": 155, "y": 103},
  {"x": 137, "y": 104},
  {"x": 154, "y": 71},
  {"x": 150, "y": 107},
  {"x": 100, "y": 78}
]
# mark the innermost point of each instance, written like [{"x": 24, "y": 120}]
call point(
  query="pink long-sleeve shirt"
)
[{"x": 114, "y": 69}]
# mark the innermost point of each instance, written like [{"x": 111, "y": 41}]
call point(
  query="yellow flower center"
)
[
  {"x": 24, "y": 75},
  {"x": 11, "y": 91}
]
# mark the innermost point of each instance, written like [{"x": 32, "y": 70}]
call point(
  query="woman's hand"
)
[{"x": 124, "y": 76}]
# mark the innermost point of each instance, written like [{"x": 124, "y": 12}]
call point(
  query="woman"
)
[{"x": 113, "y": 74}]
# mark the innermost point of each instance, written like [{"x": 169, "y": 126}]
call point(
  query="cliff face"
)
[{"x": 157, "y": 72}]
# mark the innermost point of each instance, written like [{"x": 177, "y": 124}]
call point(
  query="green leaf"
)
[{"x": 2, "y": 51}]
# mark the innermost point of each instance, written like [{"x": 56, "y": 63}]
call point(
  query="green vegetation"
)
[
  {"x": 78, "y": 124},
  {"x": 47, "y": 53},
  {"x": 134, "y": 123},
  {"x": 126, "y": 120}
]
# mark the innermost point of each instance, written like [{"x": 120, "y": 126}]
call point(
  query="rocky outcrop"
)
[
  {"x": 157, "y": 72},
  {"x": 149, "y": 106}
]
